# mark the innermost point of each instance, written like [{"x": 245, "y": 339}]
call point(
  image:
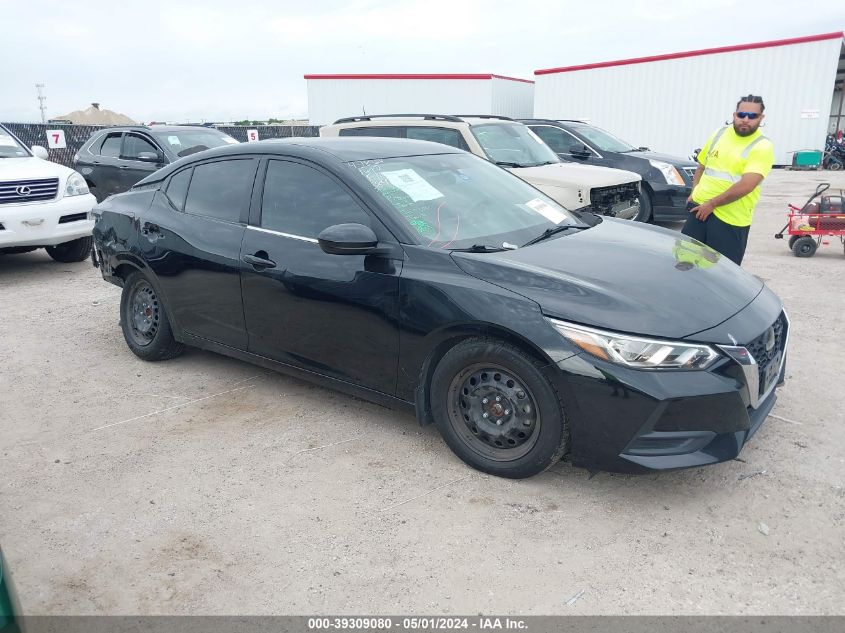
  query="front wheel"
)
[
  {"x": 73, "y": 251},
  {"x": 496, "y": 410},
  {"x": 144, "y": 322},
  {"x": 645, "y": 212}
]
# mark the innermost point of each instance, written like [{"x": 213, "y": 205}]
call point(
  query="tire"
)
[
  {"x": 144, "y": 321},
  {"x": 804, "y": 246},
  {"x": 834, "y": 165},
  {"x": 646, "y": 208},
  {"x": 533, "y": 434},
  {"x": 792, "y": 241},
  {"x": 73, "y": 251}
]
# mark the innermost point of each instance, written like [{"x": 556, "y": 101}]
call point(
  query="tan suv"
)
[{"x": 511, "y": 145}]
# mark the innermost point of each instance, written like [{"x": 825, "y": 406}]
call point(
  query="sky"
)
[{"x": 223, "y": 61}]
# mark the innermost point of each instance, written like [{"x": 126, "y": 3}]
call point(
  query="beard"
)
[{"x": 747, "y": 132}]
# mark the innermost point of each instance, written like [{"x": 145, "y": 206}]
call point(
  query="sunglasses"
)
[{"x": 748, "y": 115}]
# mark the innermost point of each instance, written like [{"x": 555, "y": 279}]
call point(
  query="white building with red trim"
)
[
  {"x": 331, "y": 97},
  {"x": 671, "y": 103}
]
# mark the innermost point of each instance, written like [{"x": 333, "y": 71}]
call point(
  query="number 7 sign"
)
[
  {"x": 252, "y": 135},
  {"x": 56, "y": 139}
]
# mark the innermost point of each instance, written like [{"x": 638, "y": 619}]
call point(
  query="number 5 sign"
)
[
  {"x": 252, "y": 135},
  {"x": 56, "y": 139}
]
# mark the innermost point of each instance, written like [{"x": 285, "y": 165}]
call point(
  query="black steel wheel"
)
[
  {"x": 497, "y": 410},
  {"x": 804, "y": 246},
  {"x": 493, "y": 411},
  {"x": 144, "y": 322}
]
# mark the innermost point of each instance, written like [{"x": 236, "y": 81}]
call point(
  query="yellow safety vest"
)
[{"x": 726, "y": 157}]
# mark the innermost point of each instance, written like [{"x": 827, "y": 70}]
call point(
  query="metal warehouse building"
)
[
  {"x": 331, "y": 97},
  {"x": 671, "y": 103}
]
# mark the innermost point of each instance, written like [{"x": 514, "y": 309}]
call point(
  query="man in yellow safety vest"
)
[{"x": 726, "y": 186}]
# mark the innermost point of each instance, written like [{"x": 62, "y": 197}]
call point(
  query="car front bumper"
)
[
  {"x": 626, "y": 420},
  {"x": 46, "y": 223},
  {"x": 669, "y": 202}
]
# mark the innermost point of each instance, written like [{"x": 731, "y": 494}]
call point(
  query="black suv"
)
[
  {"x": 667, "y": 180},
  {"x": 115, "y": 158}
]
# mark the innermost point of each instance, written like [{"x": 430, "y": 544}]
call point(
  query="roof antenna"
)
[{"x": 364, "y": 110}]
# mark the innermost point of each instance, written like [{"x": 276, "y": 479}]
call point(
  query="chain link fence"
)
[{"x": 76, "y": 135}]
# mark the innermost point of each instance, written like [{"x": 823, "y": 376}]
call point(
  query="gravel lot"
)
[{"x": 206, "y": 485}]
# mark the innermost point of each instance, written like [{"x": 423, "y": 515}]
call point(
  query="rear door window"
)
[
  {"x": 111, "y": 145},
  {"x": 442, "y": 135},
  {"x": 221, "y": 189},
  {"x": 389, "y": 131}
]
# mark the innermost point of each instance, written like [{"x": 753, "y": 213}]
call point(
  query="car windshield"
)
[
  {"x": 513, "y": 145},
  {"x": 456, "y": 201},
  {"x": 187, "y": 142},
  {"x": 601, "y": 139},
  {"x": 9, "y": 146}
]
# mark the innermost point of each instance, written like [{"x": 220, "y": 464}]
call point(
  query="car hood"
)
[
  {"x": 578, "y": 176},
  {"x": 622, "y": 276},
  {"x": 28, "y": 167},
  {"x": 666, "y": 158}
]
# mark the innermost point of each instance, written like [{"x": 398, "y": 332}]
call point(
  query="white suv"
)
[
  {"x": 515, "y": 147},
  {"x": 42, "y": 204}
]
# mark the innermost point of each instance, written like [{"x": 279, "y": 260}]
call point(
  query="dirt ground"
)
[{"x": 206, "y": 485}]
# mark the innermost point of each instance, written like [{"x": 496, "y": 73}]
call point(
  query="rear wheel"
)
[
  {"x": 804, "y": 246},
  {"x": 144, "y": 321},
  {"x": 73, "y": 251},
  {"x": 496, "y": 410}
]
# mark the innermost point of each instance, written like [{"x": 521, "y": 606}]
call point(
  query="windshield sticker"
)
[
  {"x": 412, "y": 184},
  {"x": 173, "y": 140},
  {"x": 546, "y": 210}
]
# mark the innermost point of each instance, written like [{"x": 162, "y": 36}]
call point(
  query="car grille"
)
[
  {"x": 764, "y": 358},
  {"x": 603, "y": 199},
  {"x": 74, "y": 217},
  {"x": 28, "y": 190}
]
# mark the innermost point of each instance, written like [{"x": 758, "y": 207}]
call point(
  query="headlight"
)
[
  {"x": 637, "y": 352},
  {"x": 76, "y": 185},
  {"x": 672, "y": 175}
]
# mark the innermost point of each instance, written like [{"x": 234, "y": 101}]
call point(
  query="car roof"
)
[
  {"x": 337, "y": 149},
  {"x": 422, "y": 120},
  {"x": 157, "y": 128}
]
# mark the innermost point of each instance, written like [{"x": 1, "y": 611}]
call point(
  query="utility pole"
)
[{"x": 41, "y": 100}]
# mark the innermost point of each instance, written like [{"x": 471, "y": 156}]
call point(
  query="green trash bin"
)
[{"x": 807, "y": 159}]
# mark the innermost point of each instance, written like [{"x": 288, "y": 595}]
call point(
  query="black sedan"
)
[
  {"x": 667, "y": 180},
  {"x": 425, "y": 278}
]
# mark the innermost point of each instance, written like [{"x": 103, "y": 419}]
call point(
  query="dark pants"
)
[{"x": 727, "y": 239}]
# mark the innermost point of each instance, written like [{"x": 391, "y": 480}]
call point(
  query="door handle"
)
[{"x": 259, "y": 261}]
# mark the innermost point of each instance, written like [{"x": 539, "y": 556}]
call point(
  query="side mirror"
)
[
  {"x": 149, "y": 157},
  {"x": 39, "y": 152},
  {"x": 643, "y": 149},
  {"x": 347, "y": 239},
  {"x": 581, "y": 151}
]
